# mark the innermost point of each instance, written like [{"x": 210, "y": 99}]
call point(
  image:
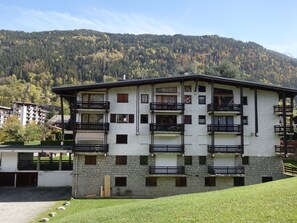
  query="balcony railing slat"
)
[
  {"x": 223, "y": 128},
  {"x": 93, "y": 105},
  {"x": 92, "y": 126},
  {"x": 279, "y": 108},
  {"x": 167, "y": 170},
  {"x": 224, "y": 107},
  {"x": 167, "y": 127},
  {"x": 225, "y": 149},
  {"x": 167, "y": 106},
  {"x": 225, "y": 170},
  {"x": 159, "y": 148},
  {"x": 281, "y": 129},
  {"x": 102, "y": 148}
]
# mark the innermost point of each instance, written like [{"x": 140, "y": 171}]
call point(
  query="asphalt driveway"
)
[{"x": 22, "y": 204}]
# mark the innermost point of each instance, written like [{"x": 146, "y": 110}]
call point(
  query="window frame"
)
[
  {"x": 210, "y": 181},
  {"x": 122, "y": 98},
  {"x": 201, "y": 88},
  {"x": 118, "y": 183},
  {"x": 144, "y": 98},
  {"x": 143, "y": 160},
  {"x": 202, "y": 160},
  {"x": 90, "y": 159},
  {"x": 202, "y": 99},
  {"x": 120, "y": 140},
  {"x": 245, "y": 120},
  {"x": 188, "y": 99},
  {"x": 238, "y": 181},
  {"x": 181, "y": 181},
  {"x": 200, "y": 118},
  {"x": 151, "y": 181},
  {"x": 121, "y": 160},
  {"x": 188, "y": 160},
  {"x": 245, "y": 160},
  {"x": 144, "y": 120},
  {"x": 188, "y": 119}
]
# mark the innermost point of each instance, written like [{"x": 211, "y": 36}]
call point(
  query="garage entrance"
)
[
  {"x": 7, "y": 179},
  {"x": 26, "y": 180}
]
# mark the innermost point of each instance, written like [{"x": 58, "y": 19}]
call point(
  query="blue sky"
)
[{"x": 271, "y": 23}]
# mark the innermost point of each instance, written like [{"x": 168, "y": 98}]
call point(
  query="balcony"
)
[
  {"x": 278, "y": 109},
  {"x": 225, "y": 129},
  {"x": 92, "y": 126},
  {"x": 280, "y": 130},
  {"x": 159, "y": 106},
  {"x": 225, "y": 170},
  {"x": 98, "y": 148},
  {"x": 45, "y": 165},
  {"x": 167, "y": 170},
  {"x": 224, "y": 149},
  {"x": 280, "y": 149},
  {"x": 167, "y": 127},
  {"x": 93, "y": 105},
  {"x": 158, "y": 148},
  {"x": 224, "y": 108}
]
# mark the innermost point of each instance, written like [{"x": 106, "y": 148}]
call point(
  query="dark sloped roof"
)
[{"x": 68, "y": 90}]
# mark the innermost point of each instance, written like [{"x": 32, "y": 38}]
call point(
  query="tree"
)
[
  {"x": 225, "y": 69},
  {"x": 13, "y": 129},
  {"x": 32, "y": 132}
]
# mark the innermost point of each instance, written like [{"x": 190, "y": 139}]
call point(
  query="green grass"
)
[
  {"x": 290, "y": 163},
  {"x": 269, "y": 202}
]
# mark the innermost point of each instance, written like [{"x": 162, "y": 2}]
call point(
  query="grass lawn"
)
[{"x": 269, "y": 202}]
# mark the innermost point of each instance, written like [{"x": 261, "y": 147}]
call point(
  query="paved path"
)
[{"x": 22, "y": 204}]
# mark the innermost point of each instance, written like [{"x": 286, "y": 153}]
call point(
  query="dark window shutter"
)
[
  {"x": 113, "y": 118},
  {"x": 131, "y": 118}
]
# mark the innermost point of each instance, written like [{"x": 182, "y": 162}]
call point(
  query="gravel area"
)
[{"x": 21, "y": 205}]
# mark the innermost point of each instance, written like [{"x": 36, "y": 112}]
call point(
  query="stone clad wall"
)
[{"x": 87, "y": 179}]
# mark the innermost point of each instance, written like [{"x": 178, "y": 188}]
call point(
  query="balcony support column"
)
[
  {"x": 241, "y": 121},
  {"x": 62, "y": 117},
  {"x": 256, "y": 112},
  {"x": 284, "y": 122}
]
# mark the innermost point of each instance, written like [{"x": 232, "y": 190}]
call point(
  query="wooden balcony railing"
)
[
  {"x": 93, "y": 105},
  {"x": 224, "y": 149},
  {"x": 167, "y": 170},
  {"x": 159, "y": 106},
  {"x": 159, "y": 148},
  {"x": 225, "y": 170},
  {"x": 280, "y": 129},
  {"x": 279, "y": 109},
  {"x": 280, "y": 149},
  {"x": 224, "y": 107},
  {"x": 92, "y": 126},
  {"x": 167, "y": 127},
  {"x": 224, "y": 128},
  {"x": 98, "y": 148}
]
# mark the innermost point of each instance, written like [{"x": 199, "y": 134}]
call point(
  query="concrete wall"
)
[
  {"x": 9, "y": 162},
  {"x": 54, "y": 179}
]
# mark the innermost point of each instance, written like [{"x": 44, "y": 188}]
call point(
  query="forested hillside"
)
[{"x": 31, "y": 63}]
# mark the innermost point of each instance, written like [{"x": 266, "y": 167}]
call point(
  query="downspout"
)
[
  {"x": 285, "y": 123},
  {"x": 256, "y": 113},
  {"x": 137, "y": 110},
  {"x": 241, "y": 122}
]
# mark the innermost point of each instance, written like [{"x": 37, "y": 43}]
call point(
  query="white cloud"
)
[{"x": 93, "y": 18}]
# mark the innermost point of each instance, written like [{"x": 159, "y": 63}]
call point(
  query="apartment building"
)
[
  {"x": 29, "y": 112},
  {"x": 5, "y": 112},
  {"x": 174, "y": 135}
]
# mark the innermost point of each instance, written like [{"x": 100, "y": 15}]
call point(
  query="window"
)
[
  {"x": 143, "y": 160},
  {"x": 143, "y": 119},
  {"x": 122, "y": 98},
  {"x": 121, "y": 139},
  {"x": 188, "y": 119},
  {"x": 201, "y": 88},
  {"x": 188, "y": 88},
  {"x": 188, "y": 99},
  {"x": 180, "y": 181},
  {"x": 121, "y": 160},
  {"x": 188, "y": 160},
  {"x": 151, "y": 181},
  {"x": 166, "y": 90},
  {"x": 144, "y": 98},
  {"x": 90, "y": 160},
  {"x": 245, "y": 120},
  {"x": 210, "y": 181},
  {"x": 202, "y": 119},
  {"x": 238, "y": 181},
  {"x": 266, "y": 179},
  {"x": 202, "y": 160},
  {"x": 122, "y": 118},
  {"x": 120, "y": 181},
  {"x": 91, "y": 118},
  {"x": 245, "y": 160},
  {"x": 201, "y": 99},
  {"x": 166, "y": 99},
  {"x": 244, "y": 100}
]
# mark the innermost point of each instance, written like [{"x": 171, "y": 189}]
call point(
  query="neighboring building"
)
[
  {"x": 29, "y": 112},
  {"x": 5, "y": 112},
  {"x": 184, "y": 134},
  {"x": 31, "y": 166}
]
